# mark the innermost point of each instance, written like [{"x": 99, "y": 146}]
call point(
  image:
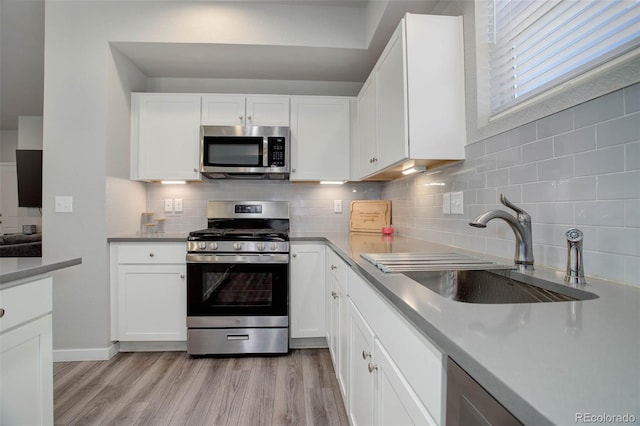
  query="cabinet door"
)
[
  {"x": 368, "y": 127},
  {"x": 361, "y": 391},
  {"x": 307, "y": 290},
  {"x": 395, "y": 401},
  {"x": 320, "y": 135},
  {"x": 342, "y": 341},
  {"x": 332, "y": 319},
  {"x": 26, "y": 369},
  {"x": 152, "y": 302},
  {"x": 391, "y": 102},
  {"x": 267, "y": 111},
  {"x": 223, "y": 110},
  {"x": 165, "y": 136}
]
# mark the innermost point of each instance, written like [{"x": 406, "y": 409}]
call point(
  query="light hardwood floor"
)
[{"x": 172, "y": 388}]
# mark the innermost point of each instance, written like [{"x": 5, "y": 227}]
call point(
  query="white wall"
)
[
  {"x": 83, "y": 101},
  {"x": 8, "y": 146},
  {"x": 30, "y": 132}
]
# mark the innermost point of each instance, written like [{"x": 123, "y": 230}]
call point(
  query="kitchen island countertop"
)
[
  {"x": 13, "y": 269},
  {"x": 548, "y": 363}
]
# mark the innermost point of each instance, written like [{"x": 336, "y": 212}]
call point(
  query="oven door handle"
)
[{"x": 238, "y": 258}]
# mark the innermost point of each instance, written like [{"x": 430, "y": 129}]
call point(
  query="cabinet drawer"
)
[
  {"x": 419, "y": 360},
  {"x": 151, "y": 253},
  {"x": 338, "y": 269},
  {"x": 25, "y": 302}
]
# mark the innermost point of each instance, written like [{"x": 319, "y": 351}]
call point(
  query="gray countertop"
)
[
  {"x": 547, "y": 363},
  {"x": 18, "y": 268}
]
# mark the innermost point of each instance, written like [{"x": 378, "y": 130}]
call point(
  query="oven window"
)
[
  {"x": 225, "y": 151},
  {"x": 237, "y": 289},
  {"x": 230, "y": 288}
]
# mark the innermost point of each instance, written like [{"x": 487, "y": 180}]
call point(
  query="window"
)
[{"x": 535, "y": 45}]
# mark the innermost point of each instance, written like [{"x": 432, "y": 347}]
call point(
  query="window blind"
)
[{"x": 535, "y": 45}]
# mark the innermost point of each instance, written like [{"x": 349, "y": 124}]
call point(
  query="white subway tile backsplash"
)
[
  {"x": 619, "y": 186},
  {"x": 555, "y": 124},
  {"x": 509, "y": 157},
  {"x": 624, "y": 241},
  {"x": 536, "y": 151},
  {"x": 576, "y": 141},
  {"x": 497, "y": 143},
  {"x": 497, "y": 177},
  {"x": 632, "y": 270},
  {"x": 523, "y": 174},
  {"x": 555, "y": 213},
  {"x": 632, "y": 213},
  {"x": 632, "y": 99},
  {"x": 632, "y": 156},
  {"x": 523, "y": 134},
  {"x": 608, "y": 160},
  {"x": 601, "y": 109},
  {"x": 600, "y": 213},
  {"x": 556, "y": 168},
  {"x": 620, "y": 130}
]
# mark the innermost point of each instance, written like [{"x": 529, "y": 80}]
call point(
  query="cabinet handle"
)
[
  {"x": 334, "y": 267},
  {"x": 366, "y": 354},
  {"x": 250, "y": 118},
  {"x": 182, "y": 276},
  {"x": 334, "y": 294},
  {"x": 1, "y": 312},
  {"x": 372, "y": 367},
  {"x": 195, "y": 170},
  {"x": 293, "y": 170},
  {"x": 151, "y": 254},
  {"x": 294, "y": 255}
]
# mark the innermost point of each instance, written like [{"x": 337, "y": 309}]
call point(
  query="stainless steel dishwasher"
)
[{"x": 469, "y": 404}]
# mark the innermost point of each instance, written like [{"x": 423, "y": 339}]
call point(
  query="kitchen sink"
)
[{"x": 495, "y": 287}]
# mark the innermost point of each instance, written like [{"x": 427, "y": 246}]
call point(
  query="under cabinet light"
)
[
  {"x": 173, "y": 182},
  {"x": 332, "y": 182},
  {"x": 414, "y": 169}
]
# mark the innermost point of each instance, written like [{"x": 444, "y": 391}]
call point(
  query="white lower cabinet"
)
[
  {"x": 307, "y": 300},
  {"x": 26, "y": 355},
  {"x": 148, "y": 294},
  {"x": 389, "y": 373}
]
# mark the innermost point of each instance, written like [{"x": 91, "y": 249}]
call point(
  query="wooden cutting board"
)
[{"x": 369, "y": 215}]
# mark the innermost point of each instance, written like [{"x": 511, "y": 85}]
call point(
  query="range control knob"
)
[
  {"x": 237, "y": 246},
  {"x": 202, "y": 245},
  {"x": 213, "y": 246},
  {"x": 273, "y": 246},
  {"x": 260, "y": 246}
]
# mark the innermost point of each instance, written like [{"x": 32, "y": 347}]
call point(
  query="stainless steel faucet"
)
[
  {"x": 521, "y": 227},
  {"x": 575, "y": 267}
]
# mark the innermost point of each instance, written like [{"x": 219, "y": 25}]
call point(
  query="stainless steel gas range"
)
[{"x": 238, "y": 280}]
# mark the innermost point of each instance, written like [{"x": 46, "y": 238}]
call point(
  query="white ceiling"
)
[{"x": 22, "y": 51}]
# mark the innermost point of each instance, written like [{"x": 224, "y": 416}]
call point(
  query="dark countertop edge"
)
[
  {"x": 507, "y": 397},
  {"x": 38, "y": 270}
]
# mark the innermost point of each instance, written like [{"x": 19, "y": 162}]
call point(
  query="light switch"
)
[
  {"x": 457, "y": 203},
  {"x": 168, "y": 205},
  {"x": 446, "y": 203},
  {"x": 64, "y": 204},
  {"x": 177, "y": 205},
  {"x": 337, "y": 206}
]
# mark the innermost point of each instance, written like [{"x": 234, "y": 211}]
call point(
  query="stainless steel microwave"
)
[{"x": 250, "y": 152}]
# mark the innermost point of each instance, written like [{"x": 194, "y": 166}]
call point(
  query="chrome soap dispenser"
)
[{"x": 575, "y": 267}]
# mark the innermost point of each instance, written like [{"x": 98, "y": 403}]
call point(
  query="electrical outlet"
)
[
  {"x": 64, "y": 204},
  {"x": 177, "y": 205},
  {"x": 168, "y": 205},
  {"x": 337, "y": 206},
  {"x": 446, "y": 203},
  {"x": 457, "y": 203}
]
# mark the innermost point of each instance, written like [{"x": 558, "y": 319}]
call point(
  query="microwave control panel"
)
[{"x": 276, "y": 147}]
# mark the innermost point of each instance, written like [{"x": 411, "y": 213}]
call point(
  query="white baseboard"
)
[{"x": 93, "y": 354}]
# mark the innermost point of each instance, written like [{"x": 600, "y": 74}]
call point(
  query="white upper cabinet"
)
[
  {"x": 241, "y": 110},
  {"x": 412, "y": 106},
  {"x": 165, "y": 134},
  {"x": 320, "y": 137}
]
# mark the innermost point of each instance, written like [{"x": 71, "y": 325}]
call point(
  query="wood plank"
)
[{"x": 172, "y": 388}]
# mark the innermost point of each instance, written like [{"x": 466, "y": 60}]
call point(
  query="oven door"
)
[{"x": 250, "y": 290}]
